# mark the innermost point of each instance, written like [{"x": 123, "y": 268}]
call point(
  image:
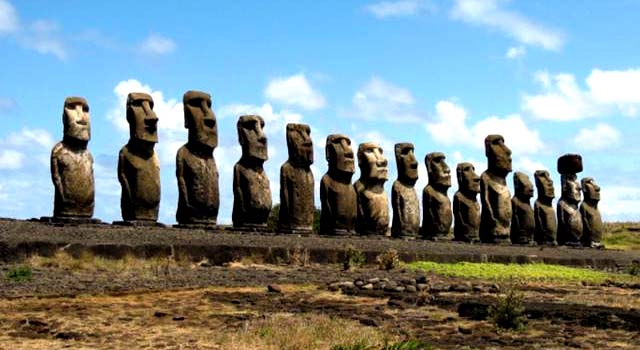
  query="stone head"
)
[
  {"x": 143, "y": 122},
  {"x": 406, "y": 163},
  {"x": 544, "y": 184},
  {"x": 252, "y": 138},
  {"x": 590, "y": 189},
  {"x": 199, "y": 119},
  {"x": 372, "y": 162},
  {"x": 76, "y": 120},
  {"x": 339, "y": 154},
  {"x": 299, "y": 144},
  {"x": 522, "y": 185},
  {"x": 498, "y": 155},
  {"x": 571, "y": 189},
  {"x": 468, "y": 180},
  {"x": 438, "y": 170}
]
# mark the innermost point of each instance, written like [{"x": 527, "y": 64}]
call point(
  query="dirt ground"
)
[{"x": 197, "y": 306}]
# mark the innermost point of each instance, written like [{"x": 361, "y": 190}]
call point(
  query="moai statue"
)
[
  {"x": 138, "y": 164},
  {"x": 495, "y": 218},
  {"x": 569, "y": 219},
  {"x": 404, "y": 199},
  {"x": 437, "y": 216},
  {"x": 296, "y": 182},
  {"x": 373, "y": 204},
  {"x": 591, "y": 219},
  {"x": 337, "y": 196},
  {"x": 522, "y": 220},
  {"x": 72, "y": 166},
  {"x": 466, "y": 209},
  {"x": 251, "y": 192},
  {"x": 545, "y": 216},
  {"x": 196, "y": 171}
]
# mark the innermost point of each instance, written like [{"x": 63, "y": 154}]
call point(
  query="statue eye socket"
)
[
  {"x": 210, "y": 123},
  {"x": 85, "y": 109},
  {"x": 136, "y": 103}
]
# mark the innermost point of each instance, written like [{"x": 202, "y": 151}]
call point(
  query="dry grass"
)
[{"x": 622, "y": 235}]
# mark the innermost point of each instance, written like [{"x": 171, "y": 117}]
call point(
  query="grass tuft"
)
[
  {"x": 527, "y": 272},
  {"x": 20, "y": 274}
]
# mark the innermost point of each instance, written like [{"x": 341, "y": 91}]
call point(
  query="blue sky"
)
[{"x": 552, "y": 76}]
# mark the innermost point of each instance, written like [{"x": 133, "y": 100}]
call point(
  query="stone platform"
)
[{"x": 20, "y": 239}]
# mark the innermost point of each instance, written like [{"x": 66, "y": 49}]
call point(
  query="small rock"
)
[
  {"x": 373, "y": 280},
  {"x": 422, "y": 286},
  {"x": 422, "y": 279},
  {"x": 359, "y": 283},
  {"x": 494, "y": 288},
  {"x": 465, "y": 330},
  {"x": 272, "y": 288},
  {"x": 159, "y": 314},
  {"x": 67, "y": 335},
  {"x": 477, "y": 288},
  {"x": 460, "y": 288},
  {"x": 396, "y": 303},
  {"x": 347, "y": 285},
  {"x": 178, "y": 318},
  {"x": 367, "y": 286},
  {"x": 411, "y": 289},
  {"x": 399, "y": 289},
  {"x": 408, "y": 281},
  {"x": 334, "y": 287},
  {"x": 368, "y": 322}
]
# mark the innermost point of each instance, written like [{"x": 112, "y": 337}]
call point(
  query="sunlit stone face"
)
[
  {"x": 299, "y": 144},
  {"x": 544, "y": 184},
  {"x": 339, "y": 154},
  {"x": 439, "y": 172},
  {"x": 591, "y": 189},
  {"x": 252, "y": 138},
  {"x": 372, "y": 162},
  {"x": 406, "y": 162},
  {"x": 200, "y": 119},
  {"x": 143, "y": 122},
  {"x": 468, "y": 180},
  {"x": 498, "y": 154},
  {"x": 571, "y": 189},
  {"x": 522, "y": 185},
  {"x": 76, "y": 120}
]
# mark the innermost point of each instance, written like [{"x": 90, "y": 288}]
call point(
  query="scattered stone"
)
[
  {"x": 178, "y": 318},
  {"x": 465, "y": 330},
  {"x": 272, "y": 288},
  {"x": 422, "y": 286},
  {"x": 359, "y": 283},
  {"x": 159, "y": 314},
  {"x": 67, "y": 335},
  {"x": 368, "y": 322},
  {"x": 411, "y": 289},
  {"x": 460, "y": 288},
  {"x": 373, "y": 280},
  {"x": 367, "y": 286}
]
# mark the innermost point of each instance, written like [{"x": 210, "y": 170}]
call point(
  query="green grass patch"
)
[
  {"x": 624, "y": 240},
  {"x": 20, "y": 274},
  {"x": 525, "y": 272}
]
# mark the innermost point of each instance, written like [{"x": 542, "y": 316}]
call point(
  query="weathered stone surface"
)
[
  {"x": 495, "y": 219},
  {"x": 138, "y": 164},
  {"x": 437, "y": 216},
  {"x": 251, "y": 191},
  {"x": 522, "y": 220},
  {"x": 296, "y": 181},
  {"x": 196, "y": 170},
  {"x": 593, "y": 228},
  {"x": 337, "y": 196},
  {"x": 373, "y": 204},
  {"x": 404, "y": 199},
  {"x": 570, "y": 224},
  {"x": 545, "y": 216},
  {"x": 466, "y": 209},
  {"x": 72, "y": 163}
]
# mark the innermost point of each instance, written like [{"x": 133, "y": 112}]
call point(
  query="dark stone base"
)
[
  {"x": 251, "y": 228},
  {"x": 447, "y": 238},
  {"x": 296, "y": 231},
  {"x": 339, "y": 233},
  {"x": 68, "y": 220},
  {"x": 201, "y": 226},
  {"x": 138, "y": 223}
]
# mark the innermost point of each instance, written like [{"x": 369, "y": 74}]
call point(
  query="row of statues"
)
[{"x": 346, "y": 208}]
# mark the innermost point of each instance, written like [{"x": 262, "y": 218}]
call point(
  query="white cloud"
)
[
  {"x": 28, "y": 137},
  {"x": 401, "y": 8},
  {"x": 294, "y": 91},
  {"x": 156, "y": 44},
  {"x": 516, "y": 52},
  {"x": 274, "y": 121},
  {"x": 563, "y": 99},
  {"x": 619, "y": 203},
  {"x": 170, "y": 112},
  {"x": 11, "y": 159},
  {"x": 490, "y": 13},
  {"x": 44, "y": 37},
  {"x": 379, "y": 99},
  {"x": 601, "y": 137},
  {"x": 528, "y": 165},
  {"x": 450, "y": 128},
  {"x": 9, "y": 21}
]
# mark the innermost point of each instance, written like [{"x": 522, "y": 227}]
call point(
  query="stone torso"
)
[
  {"x": 437, "y": 214},
  {"x": 339, "y": 206},
  {"x": 406, "y": 210},
  {"x": 252, "y": 196},
  {"x": 296, "y": 197},
  {"x": 569, "y": 223},
  {"x": 545, "y": 223},
  {"x": 592, "y": 223},
  {"x": 496, "y": 209},
  {"x": 75, "y": 194},
  {"x": 199, "y": 200},
  {"x": 143, "y": 178},
  {"x": 373, "y": 211},
  {"x": 467, "y": 218},
  {"x": 522, "y": 223}
]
